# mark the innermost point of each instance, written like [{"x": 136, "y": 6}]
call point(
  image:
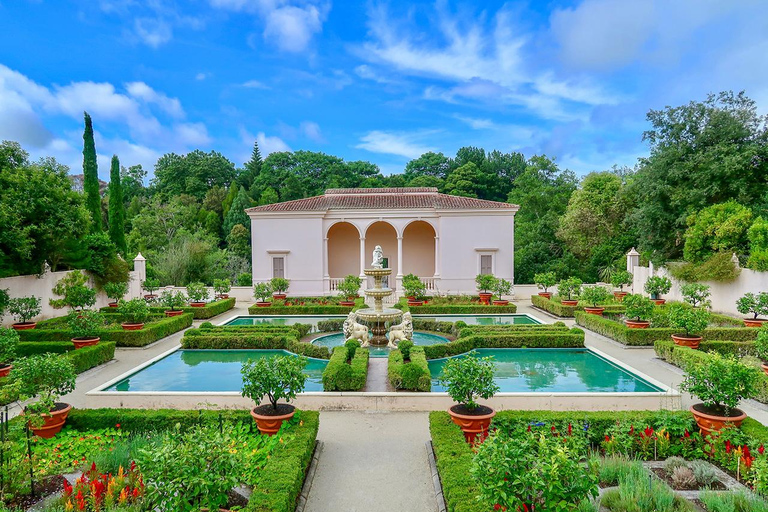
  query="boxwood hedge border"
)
[
  {"x": 342, "y": 376},
  {"x": 413, "y": 375}
]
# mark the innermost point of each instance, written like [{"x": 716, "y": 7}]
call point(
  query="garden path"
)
[
  {"x": 378, "y": 380},
  {"x": 373, "y": 462}
]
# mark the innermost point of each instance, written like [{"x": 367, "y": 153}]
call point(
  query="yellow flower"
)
[{"x": 69, "y": 506}]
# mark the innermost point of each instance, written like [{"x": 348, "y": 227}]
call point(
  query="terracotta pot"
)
[
  {"x": 279, "y": 296},
  {"x": 150, "y": 297},
  {"x": 685, "y": 341},
  {"x": 765, "y": 368},
  {"x": 174, "y": 312},
  {"x": 5, "y": 370},
  {"x": 54, "y": 422},
  {"x": 197, "y": 304},
  {"x": 485, "y": 298},
  {"x": 24, "y": 326},
  {"x": 269, "y": 425},
  {"x": 475, "y": 427},
  {"x": 569, "y": 302},
  {"x": 223, "y": 296},
  {"x": 132, "y": 327},
  {"x": 85, "y": 342},
  {"x": 709, "y": 423},
  {"x": 501, "y": 303},
  {"x": 753, "y": 322},
  {"x": 620, "y": 295},
  {"x": 263, "y": 304},
  {"x": 546, "y": 295},
  {"x": 113, "y": 304},
  {"x": 415, "y": 302},
  {"x": 594, "y": 311},
  {"x": 347, "y": 303},
  {"x": 659, "y": 302},
  {"x": 634, "y": 324}
]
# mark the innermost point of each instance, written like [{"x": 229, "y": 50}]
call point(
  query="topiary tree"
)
[
  {"x": 468, "y": 378},
  {"x": 414, "y": 287},
  {"x": 150, "y": 285},
  {"x": 638, "y": 307},
  {"x": 173, "y": 300},
  {"x": 47, "y": 377},
  {"x": 405, "y": 347},
  {"x": 721, "y": 382},
  {"x": 221, "y": 286},
  {"x": 351, "y": 345},
  {"x": 197, "y": 292},
  {"x": 280, "y": 285},
  {"x": 116, "y": 290},
  {"x": 570, "y": 288},
  {"x": 544, "y": 280},
  {"x": 683, "y": 316},
  {"x": 262, "y": 291},
  {"x": 696, "y": 294},
  {"x": 656, "y": 286},
  {"x": 273, "y": 377},
  {"x": 350, "y": 286},
  {"x": 74, "y": 291},
  {"x": 595, "y": 295},
  {"x": 621, "y": 278},
  {"x": 24, "y": 309},
  {"x": 502, "y": 287},
  {"x": 134, "y": 311},
  {"x": 753, "y": 304},
  {"x": 485, "y": 282}
]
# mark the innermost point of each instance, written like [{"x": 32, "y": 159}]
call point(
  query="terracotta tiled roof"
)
[{"x": 383, "y": 198}]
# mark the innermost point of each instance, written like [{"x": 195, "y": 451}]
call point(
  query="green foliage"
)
[
  {"x": 721, "y": 382},
  {"x": 210, "y": 310},
  {"x": 279, "y": 284},
  {"x": 221, "y": 286},
  {"x": 9, "y": 342},
  {"x": 544, "y": 337},
  {"x": 351, "y": 347},
  {"x": 47, "y": 377},
  {"x": 262, "y": 291},
  {"x": 274, "y": 377},
  {"x": 656, "y": 286},
  {"x": 405, "y": 347},
  {"x": 502, "y": 287},
  {"x": 696, "y": 294},
  {"x": 173, "y": 300},
  {"x": 639, "y": 307},
  {"x": 236, "y": 214},
  {"x": 758, "y": 245},
  {"x": 718, "y": 228},
  {"x": 4, "y": 300},
  {"x": 135, "y": 311},
  {"x": 752, "y": 304},
  {"x": 197, "y": 292},
  {"x": 91, "y": 176},
  {"x": 150, "y": 285},
  {"x": 739, "y": 501},
  {"x": 639, "y": 493},
  {"x": 621, "y": 278},
  {"x": 683, "y": 316},
  {"x": 758, "y": 260},
  {"x": 350, "y": 286},
  {"x": 24, "y": 309},
  {"x": 244, "y": 279},
  {"x": 569, "y": 288},
  {"x": 344, "y": 373},
  {"x": 468, "y": 378},
  {"x": 413, "y": 375},
  {"x": 720, "y": 267},
  {"x": 485, "y": 282},
  {"x": 413, "y": 286},
  {"x": 595, "y": 295},
  {"x": 239, "y": 242},
  {"x": 74, "y": 292},
  {"x": 761, "y": 344},
  {"x": 84, "y": 324},
  {"x": 116, "y": 208},
  {"x": 192, "y": 174},
  {"x": 116, "y": 290},
  {"x": 544, "y": 280}
]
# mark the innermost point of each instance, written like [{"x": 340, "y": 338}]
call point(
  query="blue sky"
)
[{"x": 382, "y": 81}]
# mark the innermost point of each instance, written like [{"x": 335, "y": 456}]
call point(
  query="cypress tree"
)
[
  {"x": 236, "y": 213},
  {"x": 253, "y": 166},
  {"x": 116, "y": 208},
  {"x": 91, "y": 176}
]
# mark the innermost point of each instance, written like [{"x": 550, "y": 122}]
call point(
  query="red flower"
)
[
  {"x": 607, "y": 438},
  {"x": 728, "y": 446},
  {"x": 648, "y": 432},
  {"x": 631, "y": 430},
  {"x": 746, "y": 453},
  {"x": 93, "y": 466},
  {"x": 570, "y": 429},
  {"x": 136, "y": 492},
  {"x": 497, "y": 507},
  {"x": 67, "y": 489},
  {"x": 761, "y": 449},
  {"x": 117, "y": 426},
  {"x": 686, "y": 435},
  {"x": 529, "y": 428}
]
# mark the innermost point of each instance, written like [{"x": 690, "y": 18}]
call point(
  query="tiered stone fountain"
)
[{"x": 377, "y": 317}]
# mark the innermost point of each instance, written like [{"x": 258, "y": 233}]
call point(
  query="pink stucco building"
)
[{"x": 445, "y": 240}]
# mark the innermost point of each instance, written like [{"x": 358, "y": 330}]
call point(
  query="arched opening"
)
[
  {"x": 383, "y": 234},
  {"x": 343, "y": 250},
  {"x": 419, "y": 249}
]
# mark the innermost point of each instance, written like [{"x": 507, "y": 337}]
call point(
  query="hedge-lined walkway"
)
[{"x": 373, "y": 463}]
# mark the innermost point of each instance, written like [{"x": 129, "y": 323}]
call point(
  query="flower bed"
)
[
  {"x": 413, "y": 375},
  {"x": 275, "y": 310},
  {"x": 434, "y": 307},
  {"x": 554, "y": 307},
  {"x": 157, "y": 328},
  {"x": 342, "y": 376},
  {"x": 252, "y": 337},
  {"x": 210, "y": 310}
]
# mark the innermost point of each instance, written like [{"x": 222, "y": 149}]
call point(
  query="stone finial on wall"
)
[{"x": 633, "y": 260}]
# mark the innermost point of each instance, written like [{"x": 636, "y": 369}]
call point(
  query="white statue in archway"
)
[
  {"x": 353, "y": 330},
  {"x": 401, "y": 331},
  {"x": 378, "y": 258}
]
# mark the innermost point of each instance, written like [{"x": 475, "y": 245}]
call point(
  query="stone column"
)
[
  {"x": 362, "y": 256},
  {"x": 437, "y": 256},
  {"x": 399, "y": 257},
  {"x": 325, "y": 258},
  {"x": 139, "y": 274}
]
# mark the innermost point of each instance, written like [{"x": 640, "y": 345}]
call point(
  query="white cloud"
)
[
  {"x": 269, "y": 144},
  {"x": 201, "y": 76},
  {"x": 366, "y": 72},
  {"x": 192, "y": 134},
  {"x": 395, "y": 143},
  {"x": 255, "y": 84},
  {"x": 477, "y": 124},
  {"x": 312, "y": 131},
  {"x": 142, "y": 91},
  {"x": 153, "y": 32}
]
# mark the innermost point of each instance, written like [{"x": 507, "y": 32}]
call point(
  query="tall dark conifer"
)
[
  {"x": 91, "y": 176},
  {"x": 116, "y": 208}
]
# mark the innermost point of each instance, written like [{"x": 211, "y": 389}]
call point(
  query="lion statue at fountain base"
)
[
  {"x": 401, "y": 331},
  {"x": 355, "y": 331}
]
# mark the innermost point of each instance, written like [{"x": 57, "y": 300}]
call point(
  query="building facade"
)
[{"x": 445, "y": 240}]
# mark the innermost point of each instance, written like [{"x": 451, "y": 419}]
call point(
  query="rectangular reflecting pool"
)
[
  {"x": 282, "y": 320},
  {"x": 553, "y": 370},
  {"x": 510, "y": 319},
  {"x": 206, "y": 371}
]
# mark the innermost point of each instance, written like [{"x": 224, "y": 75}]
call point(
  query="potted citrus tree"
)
[
  {"x": 74, "y": 292},
  {"x": 198, "y": 294},
  {"x": 466, "y": 379},
  {"x": 594, "y": 296},
  {"x": 692, "y": 321},
  {"x": 9, "y": 342},
  {"x": 545, "y": 280},
  {"x": 135, "y": 312},
  {"x": 500, "y": 289},
  {"x": 696, "y": 294},
  {"x": 222, "y": 287},
  {"x": 174, "y": 301},
  {"x": 274, "y": 378},
  {"x": 46, "y": 377},
  {"x": 116, "y": 291},
  {"x": 656, "y": 286},
  {"x": 24, "y": 309},
  {"x": 720, "y": 382},
  {"x": 485, "y": 283},
  {"x": 639, "y": 311},
  {"x": 569, "y": 291},
  {"x": 84, "y": 327},
  {"x": 761, "y": 348},
  {"x": 619, "y": 280},
  {"x": 262, "y": 292},
  {"x": 279, "y": 287},
  {"x": 755, "y": 305},
  {"x": 414, "y": 289},
  {"x": 150, "y": 285},
  {"x": 348, "y": 290}
]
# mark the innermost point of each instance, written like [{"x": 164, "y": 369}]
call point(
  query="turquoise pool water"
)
[
  {"x": 282, "y": 320},
  {"x": 520, "y": 319},
  {"x": 207, "y": 370},
  {"x": 553, "y": 370},
  {"x": 419, "y": 338}
]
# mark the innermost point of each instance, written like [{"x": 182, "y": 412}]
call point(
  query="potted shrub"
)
[
  {"x": 414, "y": 289},
  {"x": 135, "y": 312},
  {"x": 47, "y": 377},
  {"x": 594, "y": 296},
  {"x": 544, "y": 280},
  {"x": 755, "y": 305},
  {"x": 279, "y": 287},
  {"x": 24, "y": 309},
  {"x": 115, "y": 291},
  {"x": 174, "y": 301},
  {"x": 692, "y": 321},
  {"x": 639, "y": 311},
  {"x": 761, "y": 348},
  {"x": 74, "y": 292},
  {"x": 198, "y": 294},
  {"x": 348, "y": 290},
  {"x": 720, "y": 383},
  {"x": 485, "y": 283},
  {"x": 9, "y": 341},
  {"x": 467, "y": 378},
  {"x": 84, "y": 327},
  {"x": 501, "y": 288},
  {"x": 262, "y": 292},
  {"x": 275, "y": 378},
  {"x": 150, "y": 285},
  {"x": 656, "y": 286},
  {"x": 222, "y": 287},
  {"x": 696, "y": 294},
  {"x": 619, "y": 280},
  {"x": 569, "y": 290}
]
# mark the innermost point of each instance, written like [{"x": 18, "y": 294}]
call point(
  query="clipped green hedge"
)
[
  {"x": 299, "y": 330},
  {"x": 157, "y": 328},
  {"x": 299, "y": 310},
  {"x": 544, "y": 338},
  {"x": 414, "y": 375},
  {"x": 333, "y": 325},
  {"x": 435, "y": 325},
  {"x": 255, "y": 340},
  {"x": 456, "y": 309},
  {"x": 471, "y": 330},
  {"x": 645, "y": 337},
  {"x": 340, "y": 376},
  {"x": 210, "y": 310},
  {"x": 556, "y": 308}
]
